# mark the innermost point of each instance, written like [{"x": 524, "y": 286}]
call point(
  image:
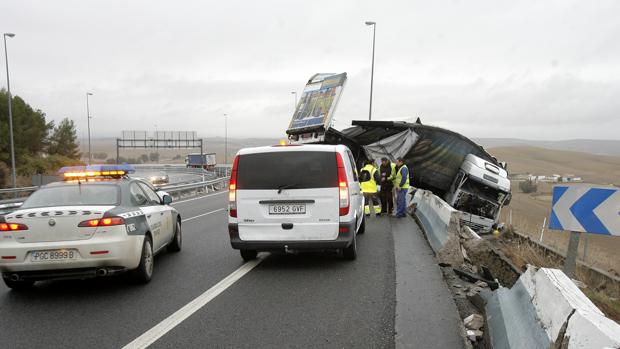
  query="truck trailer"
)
[{"x": 197, "y": 160}]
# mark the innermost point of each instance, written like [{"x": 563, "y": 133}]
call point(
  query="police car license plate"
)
[
  {"x": 53, "y": 255},
  {"x": 287, "y": 209}
]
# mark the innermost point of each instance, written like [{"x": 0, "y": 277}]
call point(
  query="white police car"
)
[{"x": 96, "y": 222}]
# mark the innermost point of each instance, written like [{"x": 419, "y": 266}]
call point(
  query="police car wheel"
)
[
  {"x": 248, "y": 255},
  {"x": 17, "y": 285},
  {"x": 177, "y": 239},
  {"x": 144, "y": 272},
  {"x": 350, "y": 253},
  {"x": 362, "y": 228}
]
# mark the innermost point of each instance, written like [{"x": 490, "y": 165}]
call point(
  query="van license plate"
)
[{"x": 287, "y": 209}]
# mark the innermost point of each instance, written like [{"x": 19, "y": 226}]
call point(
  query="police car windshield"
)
[{"x": 74, "y": 195}]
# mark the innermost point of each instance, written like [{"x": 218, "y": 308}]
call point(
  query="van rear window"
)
[{"x": 287, "y": 170}]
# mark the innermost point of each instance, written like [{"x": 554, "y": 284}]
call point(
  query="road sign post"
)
[
  {"x": 570, "y": 262},
  {"x": 584, "y": 209}
]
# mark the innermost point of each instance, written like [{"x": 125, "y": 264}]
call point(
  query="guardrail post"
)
[{"x": 571, "y": 255}]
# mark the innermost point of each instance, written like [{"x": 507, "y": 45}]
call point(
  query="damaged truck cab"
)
[{"x": 479, "y": 190}]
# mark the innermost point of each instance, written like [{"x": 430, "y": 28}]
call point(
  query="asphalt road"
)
[{"x": 307, "y": 300}]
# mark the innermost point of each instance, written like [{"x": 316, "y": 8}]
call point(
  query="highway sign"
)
[{"x": 586, "y": 208}]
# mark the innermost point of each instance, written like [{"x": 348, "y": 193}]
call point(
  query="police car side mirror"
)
[{"x": 167, "y": 200}]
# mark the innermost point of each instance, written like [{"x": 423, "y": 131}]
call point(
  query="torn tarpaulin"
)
[{"x": 392, "y": 147}]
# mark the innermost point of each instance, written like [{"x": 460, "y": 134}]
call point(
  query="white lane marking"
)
[
  {"x": 150, "y": 336},
  {"x": 200, "y": 197},
  {"x": 204, "y": 214}
]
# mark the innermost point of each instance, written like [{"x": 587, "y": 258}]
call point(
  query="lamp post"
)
[
  {"x": 295, "y": 105},
  {"x": 372, "y": 69},
  {"x": 225, "y": 139},
  {"x": 88, "y": 120},
  {"x": 8, "y": 86}
]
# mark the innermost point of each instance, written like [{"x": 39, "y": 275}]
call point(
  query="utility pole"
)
[
  {"x": 295, "y": 105},
  {"x": 90, "y": 155},
  {"x": 372, "y": 69},
  {"x": 225, "y": 139},
  {"x": 8, "y": 86}
]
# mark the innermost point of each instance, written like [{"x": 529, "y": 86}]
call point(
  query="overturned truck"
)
[{"x": 447, "y": 163}]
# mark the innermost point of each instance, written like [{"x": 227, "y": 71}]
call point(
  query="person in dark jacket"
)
[{"x": 385, "y": 195}]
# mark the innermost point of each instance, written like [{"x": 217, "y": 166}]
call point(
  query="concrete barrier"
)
[
  {"x": 440, "y": 223},
  {"x": 545, "y": 308}
]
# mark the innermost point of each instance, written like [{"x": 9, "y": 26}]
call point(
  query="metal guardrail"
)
[
  {"x": 194, "y": 186},
  {"x": 18, "y": 190},
  {"x": 209, "y": 179}
]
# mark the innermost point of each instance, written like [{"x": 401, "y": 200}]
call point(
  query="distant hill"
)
[
  {"x": 594, "y": 146},
  {"x": 599, "y": 169}
]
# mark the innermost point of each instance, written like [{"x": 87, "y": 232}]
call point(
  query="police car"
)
[{"x": 96, "y": 222}]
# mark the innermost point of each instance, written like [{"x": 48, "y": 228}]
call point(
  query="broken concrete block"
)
[
  {"x": 473, "y": 335},
  {"x": 474, "y": 322},
  {"x": 482, "y": 284}
]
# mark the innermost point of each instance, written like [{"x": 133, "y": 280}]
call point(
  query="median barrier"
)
[
  {"x": 544, "y": 308},
  {"x": 440, "y": 223}
]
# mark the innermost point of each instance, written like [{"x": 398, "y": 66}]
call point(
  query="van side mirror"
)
[{"x": 167, "y": 200}]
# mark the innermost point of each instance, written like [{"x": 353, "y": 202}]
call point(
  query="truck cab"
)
[{"x": 479, "y": 190}]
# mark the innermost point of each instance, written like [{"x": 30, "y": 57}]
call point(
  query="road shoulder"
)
[{"x": 426, "y": 316}]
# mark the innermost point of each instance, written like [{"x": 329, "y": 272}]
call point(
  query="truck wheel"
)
[
  {"x": 362, "y": 228},
  {"x": 144, "y": 272},
  {"x": 177, "y": 239},
  {"x": 19, "y": 285},
  {"x": 248, "y": 255},
  {"x": 350, "y": 253}
]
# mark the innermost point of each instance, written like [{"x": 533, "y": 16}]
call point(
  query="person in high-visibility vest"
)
[
  {"x": 402, "y": 185},
  {"x": 369, "y": 177}
]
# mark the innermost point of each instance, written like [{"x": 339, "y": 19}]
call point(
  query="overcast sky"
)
[{"x": 524, "y": 69}]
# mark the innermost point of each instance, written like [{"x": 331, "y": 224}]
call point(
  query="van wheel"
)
[
  {"x": 177, "y": 239},
  {"x": 144, "y": 272},
  {"x": 248, "y": 255},
  {"x": 19, "y": 285},
  {"x": 362, "y": 228},
  {"x": 350, "y": 253}
]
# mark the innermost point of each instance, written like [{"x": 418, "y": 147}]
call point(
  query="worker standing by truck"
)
[
  {"x": 369, "y": 177},
  {"x": 387, "y": 172},
  {"x": 402, "y": 185}
]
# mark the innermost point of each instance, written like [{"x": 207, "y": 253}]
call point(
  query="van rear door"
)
[{"x": 288, "y": 196}]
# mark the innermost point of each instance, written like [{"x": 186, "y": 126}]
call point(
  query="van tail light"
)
[
  {"x": 12, "y": 226},
  {"x": 102, "y": 222},
  {"x": 232, "y": 189},
  {"x": 343, "y": 186}
]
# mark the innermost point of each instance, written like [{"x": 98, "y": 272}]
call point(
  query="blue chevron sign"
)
[{"x": 586, "y": 208}]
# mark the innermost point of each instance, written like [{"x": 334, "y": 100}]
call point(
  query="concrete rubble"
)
[{"x": 474, "y": 322}]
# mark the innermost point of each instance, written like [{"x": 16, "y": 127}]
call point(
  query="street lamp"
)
[
  {"x": 295, "y": 94},
  {"x": 8, "y": 86},
  {"x": 225, "y": 139},
  {"x": 88, "y": 119},
  {"x": 372, "y": 69}
]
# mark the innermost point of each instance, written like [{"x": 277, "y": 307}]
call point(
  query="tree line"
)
[{"x": 41, "y": 146}]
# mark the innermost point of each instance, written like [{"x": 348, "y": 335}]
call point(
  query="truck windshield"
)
[
  {"x": 292, "y": 170},
  {"x": 479, "y": 199}
]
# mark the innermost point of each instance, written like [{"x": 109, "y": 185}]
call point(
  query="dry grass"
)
[{"x": 592, "y": 168}]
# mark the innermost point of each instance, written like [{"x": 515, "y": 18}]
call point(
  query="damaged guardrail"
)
[
  {"x": 540, "y": 308},
  {"x": 441, "y": 224},
  {"x": 546, "y": 309}
]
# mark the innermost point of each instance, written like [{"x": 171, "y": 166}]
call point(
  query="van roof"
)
[{"x": 295, "y": 147}]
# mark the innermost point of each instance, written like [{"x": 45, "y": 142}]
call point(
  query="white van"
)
[{"x": 295, "y": 197}]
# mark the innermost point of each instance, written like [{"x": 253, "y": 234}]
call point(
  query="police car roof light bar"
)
[{"x": 91, "y": 172}]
